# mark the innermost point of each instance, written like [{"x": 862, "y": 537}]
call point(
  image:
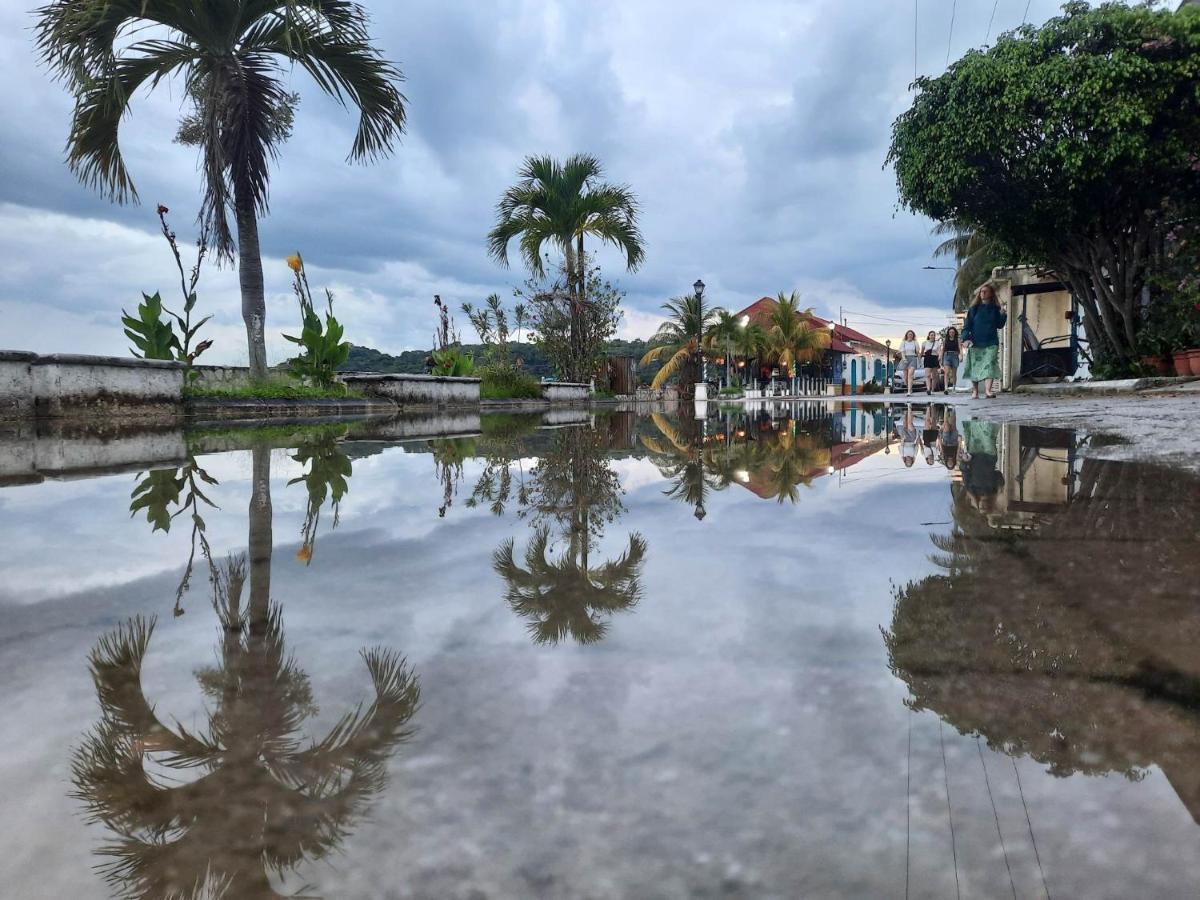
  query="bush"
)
[
  {"x": 872, "y": 387},
  {"x": 268, "y": 389},
  {"x": 499, "y": 381},
  {"x": 452, "y": 361}
]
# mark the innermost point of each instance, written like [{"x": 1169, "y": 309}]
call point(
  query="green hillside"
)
[{"x": 412, "y": 362}]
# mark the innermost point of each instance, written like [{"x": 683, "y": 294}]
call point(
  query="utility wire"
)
[
  {"x": 1029, "y": 822},
  {"x": 950, "y": 36},
  {"x": 916, "y": 17},
  {"x": 908, "y": 808},
  {"x": 1025, "y": 18},
  {"x": 992, "y": 19},
  {"x": 987, "y": 781},
  {"x": 949, "y": 813}
]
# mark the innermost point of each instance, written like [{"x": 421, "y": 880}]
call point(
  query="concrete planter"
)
[
  {"x": 566, "y": 392},
  {"x": 416, "y": 390},
  {"x": 16, "y": 384},
  {"x": 73, "y": 385}
]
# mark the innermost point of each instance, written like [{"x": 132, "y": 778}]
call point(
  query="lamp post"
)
[
  {"x": 702, "y": 386},
  {"x": 887, "y": 368}
]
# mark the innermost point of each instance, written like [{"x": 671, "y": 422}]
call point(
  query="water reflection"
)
[
  {"x": 1063, "y": 622},
  {"x": 327, "y": 477},
  {"x": 219, "y": 811},
  {"x": 573, "y": 493}
]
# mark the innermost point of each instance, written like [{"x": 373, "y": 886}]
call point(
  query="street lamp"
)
[
  {"x": 701, "y": 392},
  {"x": 887, "y": 368}
]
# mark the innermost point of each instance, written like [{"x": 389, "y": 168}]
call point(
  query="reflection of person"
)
[
  {"x": 929, "y": 433},
  {"x": 948, "y": 439},
  {"x": 950, "y": 351},
  {"x": 906, "y": 431},
  {"x": 985, "y": 318},
  {"x": 979, "y": 464},
  {"x": 931, "y": 359},
  {"x": 909, "y": 358}
]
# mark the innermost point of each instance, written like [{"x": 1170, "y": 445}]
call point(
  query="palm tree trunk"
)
[{"x": 250, "y": 275}]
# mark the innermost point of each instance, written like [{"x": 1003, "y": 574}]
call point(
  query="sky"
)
[{"x": 753, "y": 134}]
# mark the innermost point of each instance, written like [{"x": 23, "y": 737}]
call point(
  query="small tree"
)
[
  {"x": 1073, "y": 145},
  {"x": 573, "y": 336}
]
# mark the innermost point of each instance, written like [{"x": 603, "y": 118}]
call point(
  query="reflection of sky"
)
[{"x": 737, "y": 731}]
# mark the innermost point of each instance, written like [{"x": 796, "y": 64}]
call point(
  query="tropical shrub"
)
[
  {"x": 152, "y": 335},
  {"x": 452, "y": 361},
  {"x": 501, "y": 381},
  {"x": 324, "y": 349}
]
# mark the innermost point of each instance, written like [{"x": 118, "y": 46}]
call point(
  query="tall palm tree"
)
[
  {"x": 753, "y": 343},
  {"x": 794, "y": 336},
  {"x": 724, "y": 334},
  {"x": 559, "y": 203},
  {"x": 975, "y": 254},
  {"x": 680, "y": 341},
  {"x": 232, "y": 56}
]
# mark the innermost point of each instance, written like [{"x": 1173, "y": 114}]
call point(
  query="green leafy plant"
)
[
  {"x": 452, "y": 361},
  {"x": 324, "y": 349},
  {"x": 152, "y": 335},
  {"x": 505, "y": 381},
  {"x": 327, "y": 478}
]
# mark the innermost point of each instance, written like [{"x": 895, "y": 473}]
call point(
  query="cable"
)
[
  {"x": 992, "y": 19},
  {"x": 996, "y": 815},
  {"x": 1025, "y": 18},
  {"x": 950, "y": 36},
  {"x": 908, "y": 808},
  {"x": 916, "y": 16},
  {"x": 949, "y": 814},
  {"x": 1029, "y": 822}
]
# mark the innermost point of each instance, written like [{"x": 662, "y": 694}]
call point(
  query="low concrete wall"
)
[
  {"x": 213, "y": 376},
  {"x": 33, "y": 450},
  {"x": 416, "y": 390},
  {"x": 16, "y": 383},
  {"x": 566, "y": 392},
  {"x": 69, "y": 385}
]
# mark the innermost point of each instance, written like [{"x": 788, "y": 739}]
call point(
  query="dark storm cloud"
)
[{"x": 754, "y": 136}]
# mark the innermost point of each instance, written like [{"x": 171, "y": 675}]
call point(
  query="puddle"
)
[{"x": 795, "y": 652}]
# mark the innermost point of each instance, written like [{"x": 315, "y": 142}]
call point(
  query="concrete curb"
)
[{"x": 1119, "y": 386}]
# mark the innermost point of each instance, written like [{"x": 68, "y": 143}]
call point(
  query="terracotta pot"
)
[
  {"x": 1183, "y": 365},
  {"x": 1193, "y": 357},
  {"x": 1157, "y": 364}
]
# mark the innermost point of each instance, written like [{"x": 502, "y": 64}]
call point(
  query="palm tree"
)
[
  {"x": 975, "y": 254},
  {"x": 520, "y": 319},
  {"x": 793, "y": 334},
  {"x": 724, "y": 334},
  {"x": 565, "y": 596},
  {"x": 558, "y": 203},
  {"x": 232, "y": 57},
  {"x": 754, "y": 342},
  {"x": 680, "y": 341}
]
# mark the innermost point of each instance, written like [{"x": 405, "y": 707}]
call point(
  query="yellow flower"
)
[
  {"x": 295, "y": 263},
  {"x": 304, "y": 554}
]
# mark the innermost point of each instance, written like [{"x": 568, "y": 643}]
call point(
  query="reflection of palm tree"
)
[
  {"x": 564, "y": 596},
  {"x": 685, "y": 461},
  {"x": 264, "y": 799},
  {"x": 574, "y": 489}
]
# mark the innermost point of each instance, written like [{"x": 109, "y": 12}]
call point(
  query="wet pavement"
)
[{"x": 809, "y": 651}]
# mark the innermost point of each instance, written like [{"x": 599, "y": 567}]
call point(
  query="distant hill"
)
[{"x": 412, "y": 362}]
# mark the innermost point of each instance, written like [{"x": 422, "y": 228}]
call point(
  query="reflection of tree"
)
[
  {"x": 573, "y": 491},
  {"x": 1074, "y": 643},
  {"x": 685, "y": 461},
  {"x": 562, "y": 596},
  {"x": 249, "y": 796},
  {"x": 164, "y": 495},
  {"x": 449, "y": 454},
  {"x": 327, "y": 477}
]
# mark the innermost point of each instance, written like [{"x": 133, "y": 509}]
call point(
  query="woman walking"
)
[
  {"x": 910, "y": 355},
  {"x": 931, "y": 359},
  {"x": 950, "y": 358},
  {"x": 985, "y": 318}
]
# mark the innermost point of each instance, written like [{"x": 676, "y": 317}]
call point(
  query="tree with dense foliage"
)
[
  {"x": 559, "y": 204},
  {"x": 723, "y": 335},
  {"x": 680, "y": 342},
  {"x": 1074, "y": 145},
  {"x": 573, "y": 334},
  {"x": 232, "y": 57}
]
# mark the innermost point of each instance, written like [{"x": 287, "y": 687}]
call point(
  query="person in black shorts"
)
[{"x": 931, "y": 360}]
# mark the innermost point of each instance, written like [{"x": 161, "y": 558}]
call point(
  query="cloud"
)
[{"x": 754, "y": 137}]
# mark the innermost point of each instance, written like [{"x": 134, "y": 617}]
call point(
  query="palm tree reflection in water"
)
[
  {"x": 574, "y": 490},
  {"x": 260, "y": 798}
]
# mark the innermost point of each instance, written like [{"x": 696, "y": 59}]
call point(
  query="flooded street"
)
[{"x": 877, "y": 652}]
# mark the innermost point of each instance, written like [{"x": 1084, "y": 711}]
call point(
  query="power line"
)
[
  {"x": 987, "y": 781},
  {"x": 992, "y": 19},
  {"x": 1025, "y": 18},
  {"x": 908, "y": 808},
  {"x": 1029, "y": 822},
  {"x": 950, "y": 36},
  {"x": 949, "y": 813},
  {"x": 916, "y": 17}
]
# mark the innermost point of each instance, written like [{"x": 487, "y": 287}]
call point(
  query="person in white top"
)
[
  {"x": 910, "y": 358},
  {"x": 931, "y": 353}
]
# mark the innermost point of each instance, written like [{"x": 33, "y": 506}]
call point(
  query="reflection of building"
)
[
  {"x": 851, "y": 357},
  {"x": 1038, "y": 467}
]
